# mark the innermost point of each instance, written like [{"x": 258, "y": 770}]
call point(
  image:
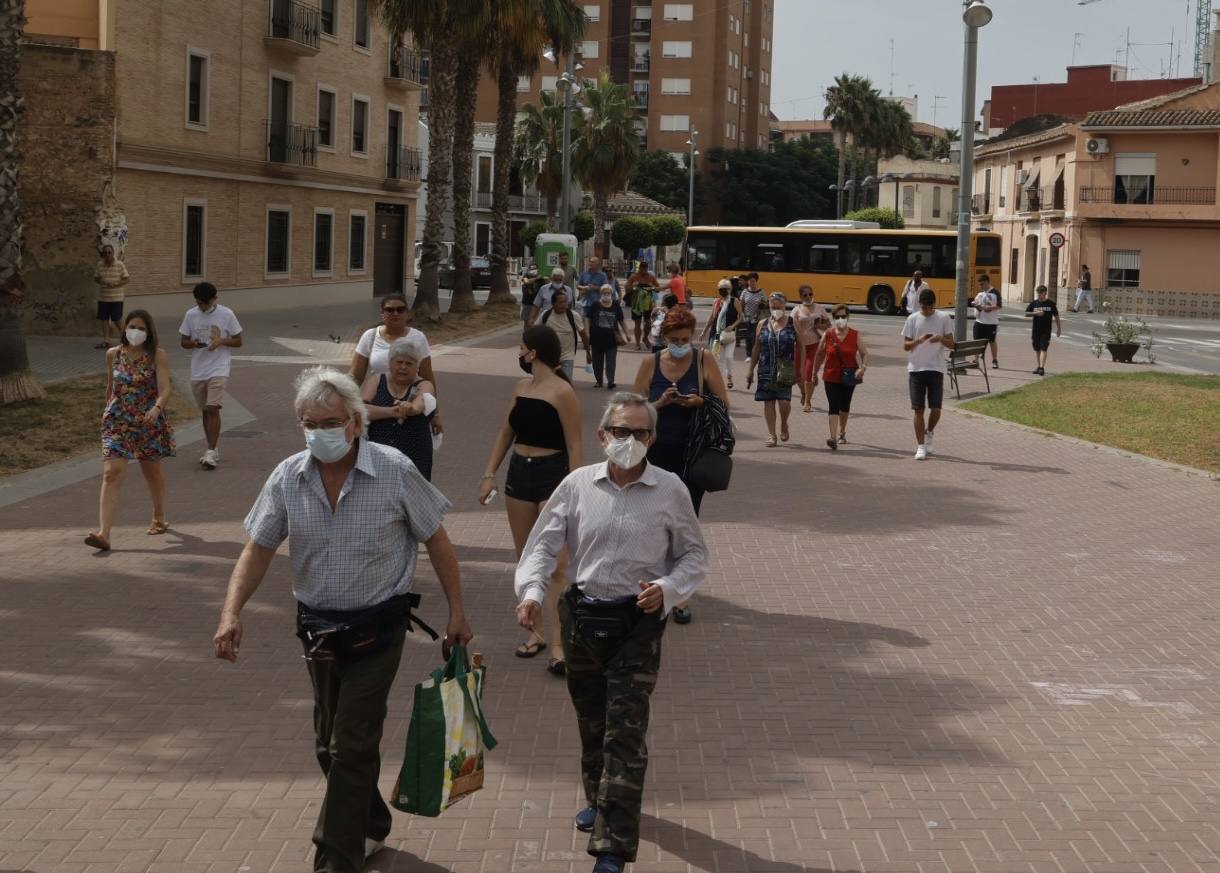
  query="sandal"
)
[
  {"x": 557, "y": 667},
  {"x": 772, "y": 442},
  {"x": 783, "y": 435},
  {"x": 808, "y": 407},
  {"x": 98, "y": 542},
  {"x": 157, "y": 528},
  {"x": 529, "y": 650},
  {"x": 832, "y": 445}
]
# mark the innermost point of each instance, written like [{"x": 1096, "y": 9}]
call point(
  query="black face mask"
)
[{"x": 526, "y": 366}]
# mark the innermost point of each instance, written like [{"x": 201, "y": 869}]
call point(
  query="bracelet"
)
[{"x": 492, "y": 478}]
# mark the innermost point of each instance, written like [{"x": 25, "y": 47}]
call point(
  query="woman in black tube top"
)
[{"x": 543, "y": 430}]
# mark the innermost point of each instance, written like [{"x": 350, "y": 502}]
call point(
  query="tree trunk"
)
[
  {"x": 464, "y": 98},
  {"x": 506, "y": 124},
  {"x": 552, "y": 214},
  {"x": 440, "y": 163}
]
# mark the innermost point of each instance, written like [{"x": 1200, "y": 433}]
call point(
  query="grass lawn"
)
[
  {"x": 1163, "y": 415},
  {"x": 67, "y": 423}
]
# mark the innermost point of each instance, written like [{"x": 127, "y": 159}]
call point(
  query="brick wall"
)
[{"x": 67, "y": 141}]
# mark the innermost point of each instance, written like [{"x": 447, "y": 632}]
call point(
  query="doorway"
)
[
  {"x": 389, "y": 248},
  {"x": 281, "y": 112},
  {"x": 1030, "y": 274}
]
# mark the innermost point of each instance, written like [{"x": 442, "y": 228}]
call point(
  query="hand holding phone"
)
[{"x": 491, "y": 495}]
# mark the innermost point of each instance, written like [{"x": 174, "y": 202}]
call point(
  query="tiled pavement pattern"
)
[{"x": 1003, "y": 659}]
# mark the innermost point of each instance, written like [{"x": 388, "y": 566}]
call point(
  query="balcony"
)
[
  {"x": 1155, "y": 195},
  {"x": 980, "y": 204},
  {"x": 406, "y": 69},
  {"x": 641, "y": 100},
  {"x": 403, "y": 164},
  {"x": 641, "y": 27},
  {"x": 291, "y": 145},
  {"x": 639, "y": 64},
  {"x": 1041, "y": 199},
  {"x": 293, "y": 27},
  {"x": 529, "y": 203}
]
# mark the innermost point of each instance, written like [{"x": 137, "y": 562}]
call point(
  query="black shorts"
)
[
  {"x": 926, "y": 385},
  {"x": 838, "y": 396},
  {"x": 1041, "y": 341},
  {"x": 534, "y": 480},
  {"x": 985, "y": 331},
  {"x": 110, "y": 310}
]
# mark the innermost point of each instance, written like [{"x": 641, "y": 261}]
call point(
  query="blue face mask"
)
[{"x": 678, "y": 351}]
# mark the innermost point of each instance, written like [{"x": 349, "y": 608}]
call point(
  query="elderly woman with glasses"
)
[
  {"x": 401, "y": 404},
  {"x": 778, "y": 356}
]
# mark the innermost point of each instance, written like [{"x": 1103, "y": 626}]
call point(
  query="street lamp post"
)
[
  {"x": 975, "y": 15},
  {"x": 690, "y": 206},
  {"x": 568, "y": 80}
]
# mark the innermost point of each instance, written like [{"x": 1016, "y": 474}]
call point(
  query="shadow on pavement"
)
[
  {"x": 390, "y": 860},
  {"x": 703, "y": 852}
]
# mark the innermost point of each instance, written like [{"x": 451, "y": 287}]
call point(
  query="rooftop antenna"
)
[
  {"x": 1203, "y": 17},
  {"x": 1075, "y": 45},
  {"x": 935, "y": 106},
  {"x": 891, "y": 68}
]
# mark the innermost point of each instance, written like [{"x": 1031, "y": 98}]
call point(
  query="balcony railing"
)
[
  {"x": 1040, "y": 199},
  {"x": 641, "y": 99},
  {"x": 641, "y": 26},
  {"x": 1156, "y": 195},
  {"x": 295, "y": 24},
  {"x": 639, "y": 64},
  {"x": 293, "y": 144},
  {"x": 406, "y": 65},
  {"x": 980, "y": 204},
  {"x": 516, "y": 202},
  {"x": 403, "y": 164}
]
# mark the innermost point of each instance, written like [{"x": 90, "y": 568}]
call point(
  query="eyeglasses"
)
[
  {"x": 621, "y": 433},
  {"x": 394, "y": 310},
  {"x": 329, "y": 424}
]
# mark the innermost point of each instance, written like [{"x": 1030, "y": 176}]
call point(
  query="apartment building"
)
[
  {"x": 1129, "y": 191},
  {"x": 267, "y": 146},
  {"x": 700, "y": 66},
  {"x": 924, "y": 193}
]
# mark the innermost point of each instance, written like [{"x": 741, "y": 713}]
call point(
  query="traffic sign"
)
[{"x": 1057, "y": 240}]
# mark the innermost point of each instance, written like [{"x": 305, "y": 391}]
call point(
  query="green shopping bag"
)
[{"x": 446, "y": 740}]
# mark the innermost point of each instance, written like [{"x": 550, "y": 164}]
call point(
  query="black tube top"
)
[{"x": 535, "y": 422}]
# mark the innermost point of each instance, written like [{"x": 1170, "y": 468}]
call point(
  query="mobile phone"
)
[{"x": 491, "y": 495}]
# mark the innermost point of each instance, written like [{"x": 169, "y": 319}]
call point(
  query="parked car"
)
[{"x": 480, "y": 273}]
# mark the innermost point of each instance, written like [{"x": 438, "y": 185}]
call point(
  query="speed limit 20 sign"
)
[{"x": 1057, "y": 240}]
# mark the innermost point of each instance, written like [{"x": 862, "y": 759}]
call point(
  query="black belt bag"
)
[
  {"x": 608, "y": 621},
  {"x": 328, "y": 635}
]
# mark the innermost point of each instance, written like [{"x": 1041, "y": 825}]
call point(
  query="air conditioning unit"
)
[{"x": 1097, "y": 145}]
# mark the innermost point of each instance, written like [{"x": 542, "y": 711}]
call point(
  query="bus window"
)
[
  {"x": 919, "y": 257},
  {"x": 702, "y": 252},
  {"x": 734, "y": 252},
  {"x": 986, "y": 251},
  {"x": 768, "y": 257},
  {"x": 946, "y": 259},
  {"x": 883, "y": 260},
  {"x": 824, "y": 259}
]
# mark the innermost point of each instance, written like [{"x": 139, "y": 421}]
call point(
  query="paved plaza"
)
[{"x": 1005, "y": 659}]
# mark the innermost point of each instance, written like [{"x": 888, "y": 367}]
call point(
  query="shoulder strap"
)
[{"x": 699, "y": 369}]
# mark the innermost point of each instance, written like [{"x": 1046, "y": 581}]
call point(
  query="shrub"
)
[{"x": 887, "y": 218}]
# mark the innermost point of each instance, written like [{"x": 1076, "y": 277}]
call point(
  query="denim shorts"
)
[{"x": 534, "y": 480}]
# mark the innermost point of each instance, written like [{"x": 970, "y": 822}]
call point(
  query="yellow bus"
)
[{"x": 859, "y": 267}]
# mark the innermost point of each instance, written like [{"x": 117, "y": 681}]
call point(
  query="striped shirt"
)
[
  {"x": 617, "y": 537},
  {"x": 364, "y": 551},
  {"x": 104, "y": 274},
  {"x": 751, "y": 301}
]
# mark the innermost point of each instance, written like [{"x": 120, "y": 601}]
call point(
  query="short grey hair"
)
[
  {"x": 406, "y": 347},
  {"x": 607, "y": 287},
  {"x": 321, "y": 385},
  {"x": 623, "y": 399},
  {"x": 558, "y": 273}
]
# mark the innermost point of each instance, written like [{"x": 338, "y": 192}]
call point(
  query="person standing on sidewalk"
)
[
  {"x": 721, "y": 327},
  {"x": 843, "y": 350},
  {"x": 639, "y": 297},
  {"x": 399, "y": 405},
  {"x": 589, "y": 285},
  {"x": 753, "y": 307},
  {"x": 677, "y": 285},
  {"x": 210, "y": 330},
  {"x": 111, "y": 277},
  {"x": 810, "y": 320},
  {"x": 606, "y": 334},
  {"x": 779, "y": 359},
  {"x": 1084, "y": 289},
  {"x": 636, "y": 552},
  {"x": 987, "y": 320},
  {"x": 1042, "y": 311},
  {"x": 925, "y": 336},
  {"x": 353, "y": 513},
  {"x": 910, "y": 293}
]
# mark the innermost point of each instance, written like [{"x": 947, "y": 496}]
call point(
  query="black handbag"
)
[
  {"x": 848, "y": 374},
  {"x": 709, "y": 462}
]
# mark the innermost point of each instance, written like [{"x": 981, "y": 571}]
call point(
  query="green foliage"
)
[
  {"x": 883, "y": 215},
  {"x": 668, "y": 230},
  {"x": 661, "y": 178},
  {"x": 772, "y": 188},
  {"x": 529, "y": 234},
  {"x": 582, "y": 226},
  {"x": 631, "y": 233},
  {"x": 537, "y": 146}
]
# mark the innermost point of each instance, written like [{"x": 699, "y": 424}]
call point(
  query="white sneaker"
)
[
  {"x": 209, "y": 460},
  {"x": 927, "y": 442},
  {"x": 921, "y": 453},
  {"x": 372, "y": 847}
]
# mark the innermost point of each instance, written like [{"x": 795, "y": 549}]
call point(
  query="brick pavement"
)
[{"x": 1003, "y": 659}]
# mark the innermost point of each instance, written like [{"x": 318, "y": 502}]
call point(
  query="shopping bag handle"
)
[
  {"x": 476, "y": 706},
  {"x": 457, "y": 664}
]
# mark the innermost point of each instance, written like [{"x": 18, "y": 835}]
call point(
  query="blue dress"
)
[
  {"x": 412, "y": 436},
  {"x": 772, "y": 342}
]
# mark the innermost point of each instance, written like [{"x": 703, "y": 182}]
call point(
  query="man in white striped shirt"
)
[{"x": 636, "y": 551}]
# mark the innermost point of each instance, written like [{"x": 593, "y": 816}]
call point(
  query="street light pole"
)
[
  {"x": 565, "y": 196},
  {"x": 975, "y": 15},
  {"x": 690, "y": 205}
]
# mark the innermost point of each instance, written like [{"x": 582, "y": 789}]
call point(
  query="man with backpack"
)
[{"x": 569, "y": 326}]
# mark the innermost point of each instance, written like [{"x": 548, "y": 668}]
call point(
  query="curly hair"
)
[{"x": 678, "y": 319}]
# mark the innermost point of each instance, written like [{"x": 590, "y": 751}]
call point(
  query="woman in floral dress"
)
[
  {"x": 134, "y": 426},
  {"x": 778, "y": 356}
]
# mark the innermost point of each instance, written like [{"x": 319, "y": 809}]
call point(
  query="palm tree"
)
[
  {"x": 537, "y": 150},
  {"x": 17, "y": 382},
  {"x": 522, "y": 28},
  {"x": 849, "y": 107},
  {"x": 605, "y": 151},
  {"x": 944, "y": 143}
]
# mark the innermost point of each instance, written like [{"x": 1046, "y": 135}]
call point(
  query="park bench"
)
[{"x": 968, "y": 355}]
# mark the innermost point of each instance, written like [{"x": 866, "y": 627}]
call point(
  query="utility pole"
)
[
  {"x": 935, "y": 106},
  {"x": 1203, "y": 25}
]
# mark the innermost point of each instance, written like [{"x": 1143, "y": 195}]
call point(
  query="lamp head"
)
[{"x": 977, "y": 14}]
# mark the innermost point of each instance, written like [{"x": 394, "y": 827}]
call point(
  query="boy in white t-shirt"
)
[
  {"x": 987, "y": 320},
  {"x": 925, "y": 336},
  {"x": 209, "y": 330}
]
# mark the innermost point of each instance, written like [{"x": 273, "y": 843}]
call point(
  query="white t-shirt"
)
[
  {"x": 558, "y": 322},
  {"x": 203, "y": 327},
  {"x": 929, "y": 355},
  {"x": 910, "y": 294},
  {"x": 375, "y": 347},
  {"x": 984, "y": 298}
]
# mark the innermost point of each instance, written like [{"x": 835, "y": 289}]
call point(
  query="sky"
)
[{"x": 816, "y": 40}]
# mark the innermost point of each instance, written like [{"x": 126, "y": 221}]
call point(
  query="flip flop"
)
[
  {"x": 529, "y": 650},
  {"x": 98, "y": 542},
  {"x": 557, "y": 667},
  {"x": 157, "y": 528}
]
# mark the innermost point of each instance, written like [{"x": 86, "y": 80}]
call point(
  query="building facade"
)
[
  {"x": 266, "y": 146},
  {"x": 1131, "y": 192},
  {"x": 924, "y": 193}
]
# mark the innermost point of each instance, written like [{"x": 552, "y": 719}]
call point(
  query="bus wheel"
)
[{"x": 881, "y": 300}]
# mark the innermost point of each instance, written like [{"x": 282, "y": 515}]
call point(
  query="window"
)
[
  {"x": 360, "y": 124},
  {"x": 1003, "y": 185},
  {"x": 323, "y": 241},
  {"x": 279, "y": 238},
  {"x": 679, "y": 12},
  {"x": 732, "y": 58},
  {"x": 824, "y": 259},
  {"x": 482, "y": 238},
  {"x": 987, "y": 251},
  {"x": 676, "y": 49},
  {"x": 523, "y": 83},
  {"x": 1122, "y": 269},
  {"x": 357, "y": 221},
  {"x": 936, "y": 202},
  {"x": 702, "y": 251},
  {"x": 588, "y": 49},
  {"x": 908, "y": 201},
  {"x": 194, "y": 239},
  {"x": 679, "y": 158},
  {"x": 327, "y": 17},
  {"x": 746, "y": 40},
  {"x": 881, "y": 259},
  {"x": 483, "y": 177},
  {"x": 675, "y": 86},
  {"x": 326, "y": 117},
  {"x": 548, "y": 83},
  {"x": 1012, "y": 266},
  {"x": 1134, "y": 178},
  {"x": 593, "y": 13},
  {"x": 362, "y": 23},
  {"x": 196, "y": 89},
  {"x": 675, "y": 122},
  {"x": 920, "y": 257}
]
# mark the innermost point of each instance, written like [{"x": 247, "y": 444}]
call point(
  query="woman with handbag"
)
[
  {"x": 778, "y": 357},
  {"x": 846, "y": 357},
  {"x": 671, "y": 379},
  {"x": 722, "y": 326},
  {"x": 639, "y": 297},
  {"x": 606, "y": 334}
]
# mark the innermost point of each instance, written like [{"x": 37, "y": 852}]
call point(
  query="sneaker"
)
[
  {"x": 842, "y": 439},
  {"x": 927, "y": 442},
  {"x": 585, "y": 819},
  {"x": 921, "y": 453},
  {"x": 372, "y": 847},
  {"x": 1037, "y": 371},
  {"x": 1041, "y": 371},
  {"x": 597, "y": 384},
  {"x": 610, "y": 386},
  {"x": 681, "y": 615},
  {"x": 995, "y": 365},
  {"x": 209, "y": 459},
  {"x": 607, "y": 863}
]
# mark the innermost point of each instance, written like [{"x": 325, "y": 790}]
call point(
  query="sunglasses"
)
[
  {"x": 394, "y": 310},
  {"x": 621, "y": 433}
]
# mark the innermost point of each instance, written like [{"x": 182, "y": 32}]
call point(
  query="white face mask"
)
[
  {"x": 840, "y": 323},
  {"x": 777, "y": 314},
  {"x": 328, "y": 445},
  {"x": 625, "y": 453},
  {"x": 135, "y": 336},
  {"x": 607, "y": 299}
]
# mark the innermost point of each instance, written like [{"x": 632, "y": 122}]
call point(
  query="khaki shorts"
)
[{"x": 210, "y": 392}]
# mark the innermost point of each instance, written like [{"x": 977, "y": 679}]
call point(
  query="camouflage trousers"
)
[{"x": 610, "y": 684}]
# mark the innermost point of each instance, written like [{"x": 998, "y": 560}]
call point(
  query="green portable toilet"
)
[{"x": 547, "y": 248}]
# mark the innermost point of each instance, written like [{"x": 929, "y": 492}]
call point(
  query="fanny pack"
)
[
  {"x": 608, "y": 621},
  {"x": 327, "y": 635}
]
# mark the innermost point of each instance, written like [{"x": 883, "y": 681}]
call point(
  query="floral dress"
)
[
  {"x": 783, "y": 342},
  {"x": 124, "y": 433}
]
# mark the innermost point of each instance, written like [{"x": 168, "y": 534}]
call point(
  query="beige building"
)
[
  {"x": 1131, "y": 192},
  {"x": 266, "y": 146},
  {"x": 924, "y": 193}
]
